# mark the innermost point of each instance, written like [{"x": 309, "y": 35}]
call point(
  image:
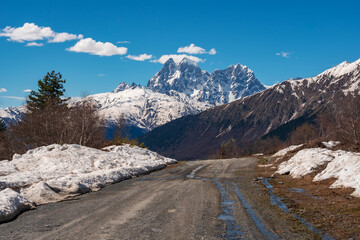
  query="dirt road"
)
[{"x": 213, "y": 199}]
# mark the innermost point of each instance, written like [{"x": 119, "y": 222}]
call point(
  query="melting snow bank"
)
[
  {"x": 341, "y": 165},
  {"x": 284, "y": 151},
  {"x": 55, "y": 172},
  {"x": 12, "y": 204}
]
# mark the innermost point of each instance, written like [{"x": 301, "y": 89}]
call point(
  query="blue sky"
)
[{"x": 276, "y": 39}]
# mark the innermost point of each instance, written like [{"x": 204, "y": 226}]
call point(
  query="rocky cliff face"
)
[{"x": 219, "y": 87}]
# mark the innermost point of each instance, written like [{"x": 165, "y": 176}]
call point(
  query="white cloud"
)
[
  {"x": 101, "y": 75},
  {"x": 123, "y": 42},
  {"x": 63, "y": 37},
  {"x": 13, "y": 97},
  {"x": 283, "y": 54},
  {"x": 27, "y": 90},
  {"x": 193, "y": 49},
  {"x": 212, "y": 51},
  {"x": 34, "y": 44},
  {"x": 141, "y": 57},
  {"x": 3, "y": 90},
  {"x": 30, "y": 32},
  {"x": 88, "y": 45},
  {"x": 177, "y": 58}
]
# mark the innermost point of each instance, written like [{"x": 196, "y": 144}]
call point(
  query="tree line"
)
[
  {"x": 338, "y": 121},
  {"x": 50, "y": 119}
]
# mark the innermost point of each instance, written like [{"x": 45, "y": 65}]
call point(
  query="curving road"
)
[{"x": 213, "y": 199}]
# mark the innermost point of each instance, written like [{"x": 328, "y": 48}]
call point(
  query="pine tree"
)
[{"x": 50, "y": 91}]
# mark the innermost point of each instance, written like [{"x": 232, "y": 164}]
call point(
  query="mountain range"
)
[
  {"x": 177, "y": 90},
  {"x": 273, "y": 111}
]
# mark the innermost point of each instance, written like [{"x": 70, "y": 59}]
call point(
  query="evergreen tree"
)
[{"x": 50, "y": 91}]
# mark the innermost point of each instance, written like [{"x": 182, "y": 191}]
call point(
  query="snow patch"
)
[
  {"x": 341, "y": 165},
  {"x": 284, "y": 151},
  {"x": 346, "y": 169},
  {"x": 12, "y": 204},
  {"x": 55, "y": 172},
  {"x": 305, "y": 161},
  {"x": 331, "y": 144}
]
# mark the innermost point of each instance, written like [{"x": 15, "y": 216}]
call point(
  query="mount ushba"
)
[
  {"x": 272, "y": 112},
  {"x": 177, "y": 90}
]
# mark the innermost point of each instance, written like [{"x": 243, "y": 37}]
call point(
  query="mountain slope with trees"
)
[{"x": 255, "y": 122}]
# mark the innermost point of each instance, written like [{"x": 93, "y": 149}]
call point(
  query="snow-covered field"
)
[
  {"x": 341, "y": 165},
  {"x": 55, "y": 172}
]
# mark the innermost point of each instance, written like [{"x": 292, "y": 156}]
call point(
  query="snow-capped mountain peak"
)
[
  {"x": 187, "y": 61},
  {"x": 342, "y": 69},
  {"x": 222, "y": 86},
  {"x": 123, "y": 86}
]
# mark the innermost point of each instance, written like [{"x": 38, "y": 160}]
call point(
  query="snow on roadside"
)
[
  {"x": 305, "y": 161},
  {"x": 341, "y": 165},
  {"x": 284, "y": 151},
  {"x": 53, "y": 173},
  {"x": 346, "y": 169},
  {"x": 12, "y": 204}
]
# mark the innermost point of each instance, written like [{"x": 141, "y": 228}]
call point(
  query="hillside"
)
[{"x": 248, "y": 119}]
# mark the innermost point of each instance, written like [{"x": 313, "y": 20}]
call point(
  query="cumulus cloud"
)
[
  {"x": 212, "y": 51},
  {"x": 123, "y": 42},
  {"x": 3, "y": 90},
  {"x": 27, "y": 90},
  {"x": 193, "y": 49},
  {"x": 63, "y": 37},
  {"x": 283, "y": 54},
  {"x": 30, "y": 32},
  {"x": 177, "y": 58},
  {"x": 34, "y": 44},
  {"x": 141, "y": 57},
  {"x": 88, "y": 45}
]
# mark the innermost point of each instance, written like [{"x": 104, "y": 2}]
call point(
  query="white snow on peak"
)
[
  {"x": 342, "y": 69},
  {"x": 186, "y": 60},
  {"x": 55, "y": 172},
  {"x": 12, "y": 114},
  {"x": 145, "y": 108}
]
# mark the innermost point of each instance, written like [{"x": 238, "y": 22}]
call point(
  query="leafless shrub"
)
[{"x": 59, "y": 124}]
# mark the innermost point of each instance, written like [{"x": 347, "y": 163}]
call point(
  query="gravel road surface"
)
[{"x": 212, "y": 199}]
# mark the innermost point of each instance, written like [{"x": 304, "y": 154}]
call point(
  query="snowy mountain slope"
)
[
  {"x": 258, "y": 115},
  {"x": 175, "y": 91},
  {"x": 12, "y": 114},
  {"x": 143, "y": 107},
  {"x": 219, "y": 87}
]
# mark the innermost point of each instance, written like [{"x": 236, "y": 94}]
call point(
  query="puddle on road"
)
[
  {"x": 276, "y": 200},
  {"x": 233, "y": 231},
  {"x": 259, "y": 224},
  {"x": 300, "y": 190}
]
